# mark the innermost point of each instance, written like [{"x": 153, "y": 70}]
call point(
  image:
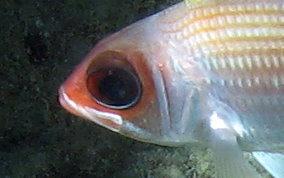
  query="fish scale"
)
[
  {"x": 201, "y": 71},
  {"x": 230, "y": 31},
  {"x": 240, "y": 47}
]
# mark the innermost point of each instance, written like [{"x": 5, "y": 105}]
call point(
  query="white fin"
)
[
  {"x": 272, "y": 162},
  {"x": 229, "y": 160}
]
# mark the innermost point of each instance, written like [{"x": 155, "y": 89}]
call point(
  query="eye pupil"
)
[{"x": 115, "y": 87}]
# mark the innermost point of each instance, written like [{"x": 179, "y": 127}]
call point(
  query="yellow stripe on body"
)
[
  {"x": 240, "y": 44},
  {"x": 177, "y": 19}
]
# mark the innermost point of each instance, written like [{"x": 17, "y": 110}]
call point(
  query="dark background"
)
[{"x": 41, "y": 42}]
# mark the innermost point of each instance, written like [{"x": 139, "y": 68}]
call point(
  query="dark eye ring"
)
[{"x": 114, "y": 87}]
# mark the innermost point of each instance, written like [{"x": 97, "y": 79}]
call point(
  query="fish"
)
[{"x": 208, "y": 72}]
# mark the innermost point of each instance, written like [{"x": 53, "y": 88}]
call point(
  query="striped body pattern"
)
[
  {"x": 233, "y": 39},
  {"x": 240, "y": 48},
  {"x": 207, "y": 72}
]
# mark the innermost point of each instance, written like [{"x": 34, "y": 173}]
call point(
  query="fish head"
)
[{"x": 122, "y": 85}]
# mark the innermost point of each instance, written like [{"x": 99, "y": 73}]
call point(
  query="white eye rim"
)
[{"x": 91, "y": 114}]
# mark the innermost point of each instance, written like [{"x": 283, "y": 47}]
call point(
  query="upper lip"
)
[{"x": 63, "y": 100}]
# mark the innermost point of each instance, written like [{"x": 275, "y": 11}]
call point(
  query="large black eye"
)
[{"x": 116, "y": 87}]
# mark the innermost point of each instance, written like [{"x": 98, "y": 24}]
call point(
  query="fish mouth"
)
[
  {"x": 67, "y": 103},
  {"x": 109, "y": 120}
]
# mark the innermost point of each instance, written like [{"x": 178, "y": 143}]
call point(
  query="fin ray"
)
[
  {"x": 229, "y": 160},
  {"x": 272, "y": 162}
]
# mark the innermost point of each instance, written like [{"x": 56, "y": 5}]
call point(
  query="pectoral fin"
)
[
  {"x": 229, "y": 160},
  {"x": 272, "y": 162}
]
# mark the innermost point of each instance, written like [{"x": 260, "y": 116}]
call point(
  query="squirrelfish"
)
[{"x": 207, "y": 71}]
